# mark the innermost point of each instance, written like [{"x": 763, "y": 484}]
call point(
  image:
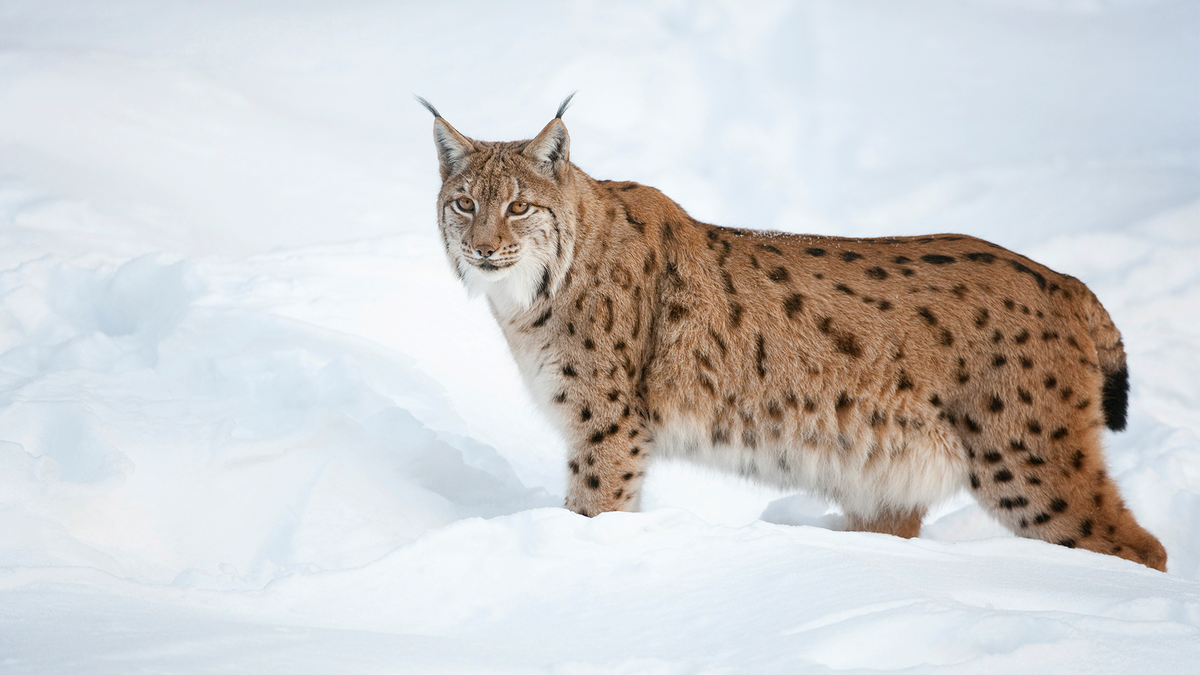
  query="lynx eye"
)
[
  {"x": 518, "y": 208},
  {"x": 465, "y": 204}
]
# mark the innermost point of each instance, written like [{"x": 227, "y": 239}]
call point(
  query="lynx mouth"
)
[{"x": 489, "y": 266}]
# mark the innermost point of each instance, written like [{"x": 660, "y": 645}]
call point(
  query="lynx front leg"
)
[{"x": 607, "y": 463}]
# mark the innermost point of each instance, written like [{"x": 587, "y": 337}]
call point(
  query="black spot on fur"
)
[
  {"x": 593, "y": 482},
  {"x": 585, "y": 414},
  {"x": 760, "y": 357},
  {"x": 972, "y": 425},
  {"x": 1017, "y": 445},
  {"x": 792, "y": 304},
  {"x": 815, "y": 252},
  {"x": 676, "y": 312},
  {"x": 884, "y": 305},
  {"x": 850, "y": 256},
  {"x": 946, "y": 338},
  {"x": 996, "y": 404},
  {"x": 1050, "y": 382},
  {"x": 1058, "y": 505},
  {"x": 735, "y": 314},
  {"x": 981, "y": 317},
  {"x": 1003, "y": 476},
  {"x": 846, "y": 343},
  {"x": 1035, "y": 461},
  {"x": 778, "y": 275},
  {"x": 1085, "y": 528},
  {"x": 998, "y": 360},
  {"x": 1042, "y": 518},
  {"x": 574, "y": 466},
  {"x": 634, "y": 450},
  {"x": 981, "y": 258},
  {"x": 1025, "y": 396},
  {"x": 671, "y": 272},
  {"x": 597, "y": 437},
  {"x": 843, "y": 401},
  {"x": 844, "y": 288},
  {"x": 901, "y": 260},
  {"x": 927, "y": 315},
  {"x": 725, "y": 276},
  {"x": 560, "y": 397},
  {"x": 904, "y": 382},
  {"x": 935, "y": 259},
  {"x": 1068, "y": 542},
  {"x": 1115, "y": 398},
  {"x": 589, "y": 344},
  {"x": 1026, "y": 362},
  {"x": 1011, "y": 503},
  {"x": 1041, "y": 280},
  {"x": 1022, "y": 337},
  {"x": 772, "y": 249},
  {"x": 1034, "y": 428},
  {"x": 877, "y": 273},
  {"x": 544, "y": 285},
  {"x": 936, "y": 401},
  {"x": 1059, "y": 433},
  {"x": 541, "y": 320},
  {"x": 569, "y": 370},
  {"x": 974, "y": 482},
  {"x": 992, "y": 456}
]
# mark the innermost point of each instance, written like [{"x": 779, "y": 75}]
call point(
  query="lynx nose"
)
[{"x": 484, "y": 250}]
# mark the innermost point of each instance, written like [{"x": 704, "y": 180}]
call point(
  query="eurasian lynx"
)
[{"x": 885, "y": 374}]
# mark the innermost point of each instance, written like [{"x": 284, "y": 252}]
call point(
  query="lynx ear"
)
[
  {"x": 452, "y": 147},
  {"x": 551, "y": 149}
]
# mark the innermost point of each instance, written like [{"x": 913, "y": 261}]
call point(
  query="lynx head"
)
[{"x": 507, "y": 211}]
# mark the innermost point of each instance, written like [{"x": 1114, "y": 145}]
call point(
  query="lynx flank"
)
[{"x": 885, "y": 374}]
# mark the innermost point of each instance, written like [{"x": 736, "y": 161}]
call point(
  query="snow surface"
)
[{"x": 249, "y": 421}]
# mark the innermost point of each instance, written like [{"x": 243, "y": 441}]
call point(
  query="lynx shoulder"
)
[{"x": 885, "y": 374}]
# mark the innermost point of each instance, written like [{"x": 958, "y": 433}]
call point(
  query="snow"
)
[{"x": 250, "y": 422}]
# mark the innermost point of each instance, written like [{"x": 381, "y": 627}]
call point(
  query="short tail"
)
[{"x": 1110, "y": 353}]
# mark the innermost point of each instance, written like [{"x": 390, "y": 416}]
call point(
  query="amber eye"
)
[
  {"x": 466, "y": 204},
  {"x": 518, "y": 208}
]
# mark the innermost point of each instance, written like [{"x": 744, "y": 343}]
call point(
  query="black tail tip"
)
[{"x": 1116, "y": 398}]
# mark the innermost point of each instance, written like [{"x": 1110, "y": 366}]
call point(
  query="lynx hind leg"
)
[
  {"x": 901, "y": 523},
  {"x": 1048, "y": 481}
]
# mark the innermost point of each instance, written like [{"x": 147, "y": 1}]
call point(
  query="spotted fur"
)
[{"x": 885, "y": 374}]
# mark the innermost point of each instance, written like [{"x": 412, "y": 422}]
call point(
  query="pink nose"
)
[{"x": 485, "y": 250}]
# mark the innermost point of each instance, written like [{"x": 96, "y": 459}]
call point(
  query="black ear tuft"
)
[
  {"x": 562, "y": 107},
  {"x": 430, "y": 108}
]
